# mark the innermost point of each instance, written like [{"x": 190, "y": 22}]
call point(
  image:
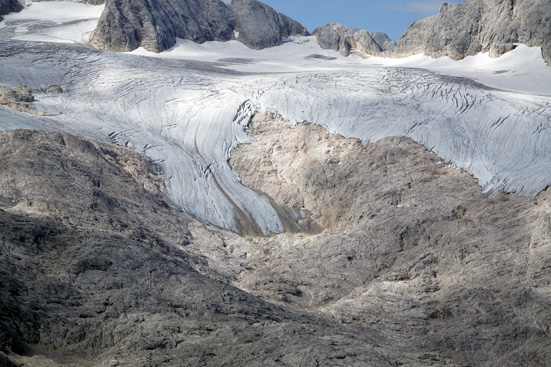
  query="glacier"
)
[{"x": 189, "y": 107}]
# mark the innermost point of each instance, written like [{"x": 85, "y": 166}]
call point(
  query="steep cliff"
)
[
  {"x": 493, "y": 26},
  {"x": 259, "y": 26},
  {"x": 128, "y": 24}
]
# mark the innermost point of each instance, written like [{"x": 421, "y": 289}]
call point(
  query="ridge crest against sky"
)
[{"x": 391, "y": 17}]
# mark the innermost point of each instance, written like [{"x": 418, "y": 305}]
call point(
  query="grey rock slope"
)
[
  {"x": 475, "y": 26},
  {"x": 97, "y": 270},
  {"x": 409, "y": 247},
  {"x": 337, "y": 37},
  {"x": 128, "y": 24},
  {"x": 259, "y": 26},
  {"x": 8, "y": 6},
  {"x": 407, "y": 264},
  {"x": 384, "y": 41}
]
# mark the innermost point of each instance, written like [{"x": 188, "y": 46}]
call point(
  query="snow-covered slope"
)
[{"x": 188, "y": 107}]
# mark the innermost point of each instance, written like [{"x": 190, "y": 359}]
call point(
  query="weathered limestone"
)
[
  {"x": 335, "y": 36},
  {"x": 128, "y": 24},
  {"x": 493, "y": 26}
]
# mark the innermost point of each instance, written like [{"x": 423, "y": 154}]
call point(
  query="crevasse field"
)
[{"x": 188, "y": 107}]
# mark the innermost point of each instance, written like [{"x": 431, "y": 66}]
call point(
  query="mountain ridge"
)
[
  {"x": 128, "y": 24},
  {"x": 466, "y": 29}
]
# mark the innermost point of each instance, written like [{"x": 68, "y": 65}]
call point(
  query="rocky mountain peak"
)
[
  {"x": 493, "y": 26},
  {"x": 259, "y": 26},
  {"x": 338, "y": 37},
  {"x": 444, "y": 8},
  {"x": 154, "y": 25}
]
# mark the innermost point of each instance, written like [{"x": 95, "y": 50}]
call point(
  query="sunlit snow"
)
[{"x": 188, "y": 107}]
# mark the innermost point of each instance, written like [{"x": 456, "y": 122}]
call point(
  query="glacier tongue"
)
[{"x": 188, "y": 116}]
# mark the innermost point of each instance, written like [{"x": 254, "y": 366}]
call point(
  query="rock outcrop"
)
[
  {"x": 8, "y": 6},
  {"x": 337, "y": 37},
  {"x": 21, "y": 97},
  {"x": 410, "y": 247},
  {"x": 493, "y": 26},
  {"x": 259, "y": 26},
  {"x": 409, "y": 265},
  {"x": 384, "y": 41},
  {"x": 128, "y": 24},
  {"x": 96, "y": 269}
]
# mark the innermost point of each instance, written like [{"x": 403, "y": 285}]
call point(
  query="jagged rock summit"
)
[
  {"x": 338, "y": 37},
  {"x": 154, "y": 25},
  {"x": 493, "y": 26}
]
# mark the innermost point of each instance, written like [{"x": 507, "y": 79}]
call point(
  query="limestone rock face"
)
[
  {"x": 259, "y": 26},
  {"x": 335, "y": 36},
  {"x": 475, "y": 26},
  {"x": 128, "y": 24},
  {"x": 20, "y": 98},
  {"x": 96, "y": 269},
  {"x": 8, "y": 6},
  {"x": 409, "y": 247},
  {"x": 384, "y": 41}
]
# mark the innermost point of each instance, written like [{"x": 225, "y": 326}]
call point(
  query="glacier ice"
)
[{"x": 188, "y": 114}]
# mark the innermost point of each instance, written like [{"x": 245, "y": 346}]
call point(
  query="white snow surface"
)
[{"x": 187, "y": 108}]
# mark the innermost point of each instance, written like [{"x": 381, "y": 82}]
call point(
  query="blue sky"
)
[{"x": 391, "y": 17}]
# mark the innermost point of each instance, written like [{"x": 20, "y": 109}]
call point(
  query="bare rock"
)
[
  {"x": 493, "y": 26},
  {"x": 97, "y": 270},
  {"x": 19, "y": 98},
  {"x": 126, "y": 25},
  {"x": 55, "y": 89},
  {"x": 335, "y": 36},
  {"x": 410, "y": 247},
  {"x": 8, "y": 6},
  {"x": 259, "y": 26},
  {"x": 383, "y": 41}
]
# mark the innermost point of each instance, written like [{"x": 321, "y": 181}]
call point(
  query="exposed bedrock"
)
[
  {"x": 410, "y": 248},
  {"x": 21, "y": 97},
  {"x": 8, "y": 6},
  {"x": 96, "y": 269},
  {"x": 493, "y": 26},
  {"x": 128, "y": 24},
  {"x": 259, "y": 26},
  {"x": 337, "y": 37}
]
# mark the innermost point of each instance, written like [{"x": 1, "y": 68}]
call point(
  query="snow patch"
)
[{"x": 59, "y": 12}]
